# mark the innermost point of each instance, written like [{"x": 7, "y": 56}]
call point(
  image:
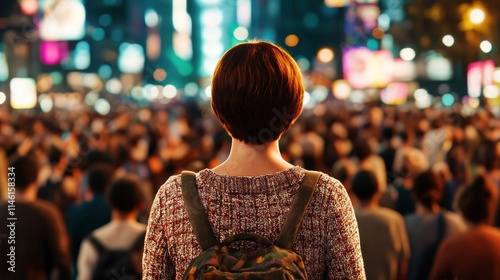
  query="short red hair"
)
[{"x": 257, "y": 92}]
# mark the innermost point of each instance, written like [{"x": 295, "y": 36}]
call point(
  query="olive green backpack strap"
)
[
  {"x": 290, "y": 229},
  {"x": 196, "y": 211}
]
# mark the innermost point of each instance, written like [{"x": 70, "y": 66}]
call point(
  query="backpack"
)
[
  {"x": 220, "y": 261},
  {"x": 118, "y": 264}
]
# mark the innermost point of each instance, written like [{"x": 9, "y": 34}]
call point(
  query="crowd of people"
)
[{"x": 423, "y": 182}]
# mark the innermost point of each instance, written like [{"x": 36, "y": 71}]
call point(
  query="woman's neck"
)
[{"x": 253, "y": 160}]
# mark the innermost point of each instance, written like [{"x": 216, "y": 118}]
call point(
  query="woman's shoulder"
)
[
  {"x": 330, "y": 185},
  {"x": 171, "y": 188},
  {"x": 331, "y": 194},
  {"x": 326, "y": 186}
]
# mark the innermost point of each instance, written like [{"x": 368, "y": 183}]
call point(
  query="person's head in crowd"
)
[
  {"x": 428, "y": 190},
  {"x": 405, "y": 137},
  {"x": 365, "y": 187},
  {"x": 344, "y": 171},
  {"x": 457, "y": 161},
  {"x": 491, "y": 159},
  {"x": 26, "y": 169},
  {"x": 257, "y": 92},
  {"x": 477, "y": 203},
  {"x": 362, "y": 149},
  {"x": 99, "y": 178},
  {"x": 412, "y": 163},
  {"x": 387, "y": 133},
  {"x": 125, "y": 197}
]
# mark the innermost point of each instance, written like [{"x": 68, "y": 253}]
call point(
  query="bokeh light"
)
[
  {"x": 341, "y": 89},
  {"x": 486, "y": 46},
  {"x": 91, "y": 97},
  {"x": 46, "y": 103},
  {"x": 102, "y": 106},
  {"x": 378, "y": 33},
  {"x": 105, "y": 20},
  {"x": 160, "y": 74},
  {"x": 384, "y": 21},
  {"x": 325, "y": 55},
  {"x": 303, "y": 64},
  {"x": 191, "y": 89},
  {"x": 357, "y": 96},
  {"x": 169, "y": 91},
  {"x": 98, "y": 34},
  {"x": 491, "y": 91},
  {"x": 477, "y": 16},
  {"x": 319, "y": 93},
  {"x": 23, "y": 93},
  {"x": 136, "y": 92},
  {"x": 29, "y": 7},
  {"x": 420, "y": 94},
  {"x": 154, "y": 92},
  {"x": 422, "y": 98},
  {"x": 114, "y": 86},
  {"x": 474, "y": 102},
  {"x": 448, "y": 40},
  {"x": 4, "y": 68},
  {"x": 105, "y": 71},
  {"x": 241, "y": 33},
  {"x": 309, "y": 102},
  {"x": 496, "y": 75},
  {"x": 448, "y": 99},
  {"x": 292, "y": 40},
  {"x": 3, "y": 97},
  {"x": 151, "y": 18},
  {"x": 407, "y": 54},
  {"x": 131, "y": 58},
  {"x": 208, "y": 91}
]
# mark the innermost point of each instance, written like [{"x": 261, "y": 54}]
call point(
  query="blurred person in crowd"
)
[
  {"x": 61, "y": 185},
  {"x": 429, "y": 225},
  {"x": 40, "y": 241},
  {"x": 344, "y": 171},
  {"x": 94, "y": 213},
  {"x": 474, "y": 254},
  {"x": 312, "y": 145},
  {"x": 435, "y": 141},
  {"x": 368, "y": 160},
  {"x": 257, "y": 94},
  {"x": 136, "y": 163},
  {"x": 488, "y": 158},
  {"x": 408, "y": 162},
  {"x": 387, "y": 150},
  {"x": 384, "y": 241},
  {"x": 337, "y": 144},
  {"x": 344, "y": 167},
  {"x": 119, "y": 242},
  {"x": 455, "y": 172}
]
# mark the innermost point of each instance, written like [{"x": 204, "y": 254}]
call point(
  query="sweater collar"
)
[{"x": 262, "y": 184}]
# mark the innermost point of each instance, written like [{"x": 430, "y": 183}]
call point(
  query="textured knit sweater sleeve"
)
[
  {"x": 328, "y": 238},
  {"x": 344, "y": 258},
  {"x": 155, "y": 260}
]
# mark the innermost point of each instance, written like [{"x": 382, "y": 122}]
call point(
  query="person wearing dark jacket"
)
[{"x": 34, "y": 243}]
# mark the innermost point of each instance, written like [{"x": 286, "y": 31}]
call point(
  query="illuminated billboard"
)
[
  {"x": 62, "y": 20},
  {"x": 364, "y": 68},
  {"x": 23, "y": 93}
]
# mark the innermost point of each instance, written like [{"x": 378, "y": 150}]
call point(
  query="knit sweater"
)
[{"x": 328, "y": 239}]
